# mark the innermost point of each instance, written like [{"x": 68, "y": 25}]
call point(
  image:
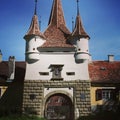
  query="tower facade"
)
[{"x": 57, "y": 77}]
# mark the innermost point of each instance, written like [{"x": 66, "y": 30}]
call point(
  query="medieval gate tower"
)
[{"x": 57, "y": 83}]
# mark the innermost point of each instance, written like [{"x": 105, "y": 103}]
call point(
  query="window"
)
[
  {"x": 106, "y": 94},
  {"x": 98, "y": 94},
  {"x": 44, "y": 73},
  {"x": 56, "y": 72},
  {"x": 70, "y": 73}
]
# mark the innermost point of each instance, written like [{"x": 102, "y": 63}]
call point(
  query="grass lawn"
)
[{"x": 19, "y": 117}]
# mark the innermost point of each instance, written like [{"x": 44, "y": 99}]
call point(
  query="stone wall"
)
[{"x": 34, "y": 100}]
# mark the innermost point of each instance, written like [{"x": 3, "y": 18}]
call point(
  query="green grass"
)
[{"x": 19, "y": 117}]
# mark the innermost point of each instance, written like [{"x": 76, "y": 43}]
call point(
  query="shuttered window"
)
[
  {"x": 98, "y": 94},
  {"x": 106, "y": 94}
]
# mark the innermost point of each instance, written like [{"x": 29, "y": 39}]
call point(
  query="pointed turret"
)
[
  {"x": 34, "y": 38},
  {"x": 79, "y": 29},
  {"x": 80, "y": 39},
  {"x": 57, "y": 32},
  {"x": 34, "y": 29},
  {"x": 57, "y": 16}
]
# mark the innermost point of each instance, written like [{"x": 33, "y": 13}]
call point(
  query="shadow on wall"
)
[{"x": 11, "y": 101}]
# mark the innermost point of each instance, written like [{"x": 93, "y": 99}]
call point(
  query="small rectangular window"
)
[
  {"x": 44, "y": 73},
  {"x": 104, "y": 94},
  {"x": 70, "y": 73}
]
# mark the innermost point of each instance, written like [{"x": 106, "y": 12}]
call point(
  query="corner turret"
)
[
  {"x": 79, "y": 38},
  {"x": 34, "y": 38}
]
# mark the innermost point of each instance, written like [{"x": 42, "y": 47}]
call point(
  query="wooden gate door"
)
[{"x": 59, "y": 107}]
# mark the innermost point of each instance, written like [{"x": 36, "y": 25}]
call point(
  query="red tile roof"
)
[
  {"x": 57, "y": 37},
  {"x": 57, "y": 32},
  {"x": 99, "y": 71},
  {"x": 34, "y": 29},
  {"x": 103, "y": 71},
  {"x": 79, "y": 29}
]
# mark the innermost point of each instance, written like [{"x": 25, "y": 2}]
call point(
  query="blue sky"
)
[{"x": 101, "y": 20}]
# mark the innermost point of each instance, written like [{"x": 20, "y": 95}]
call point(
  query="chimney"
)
[
  {"x": 110, "y": 58},
  {"x": 0, "y": 56},
  {"x": 11, "y": 64}
]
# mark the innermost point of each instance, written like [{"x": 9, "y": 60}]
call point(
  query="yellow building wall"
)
[
  {"x": 93, "y": 96},
  {"x": 3, "y": 89}
]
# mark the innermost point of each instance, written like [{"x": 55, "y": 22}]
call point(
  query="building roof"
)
[
  {"x": 34, "y": 29},
  {"x": 104, "y": 72},
  {"x": 79, "y": 29},
  {"x": 99, "y": 71},
  {"x": 57, "y": 32}
]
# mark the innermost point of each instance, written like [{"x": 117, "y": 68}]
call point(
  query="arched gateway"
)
[{"x": 59, "y": 107}]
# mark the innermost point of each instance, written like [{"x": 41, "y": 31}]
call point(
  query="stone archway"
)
[{"x": 59, "y": 107}]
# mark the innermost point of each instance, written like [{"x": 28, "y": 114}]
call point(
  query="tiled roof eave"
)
[
  {"x": 27, "y": 36},
  {"x": 72, "y": 36}
]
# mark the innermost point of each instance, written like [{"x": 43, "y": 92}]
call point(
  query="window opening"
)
[
  {"x": 44, "y": 73},
  {"x": 70, "y": 73}
]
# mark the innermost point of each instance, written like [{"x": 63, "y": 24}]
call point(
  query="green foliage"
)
[{"x": 21, "y": 117}]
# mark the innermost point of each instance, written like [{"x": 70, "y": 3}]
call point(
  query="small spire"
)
[
  {"x": 57, "y": 15},
  {"x": 78, "y": 13},
  {"x": 40, "y": 23},
  {"x": 35, "y": 12},
  {"x": 72, "y": 24},
  {"x": 79, "y": 29}
]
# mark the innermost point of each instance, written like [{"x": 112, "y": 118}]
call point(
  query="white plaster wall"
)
[
  {"x": 34, "y": 42},
  {"x": 32, "y": 48},
  {"x": 83, "y": 45},
  {"x": 67, "y": 59}
]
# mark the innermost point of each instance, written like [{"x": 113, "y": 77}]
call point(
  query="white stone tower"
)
[
  {"x": 34, "y": 38},
  {"x": 57, "y": 74}
]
